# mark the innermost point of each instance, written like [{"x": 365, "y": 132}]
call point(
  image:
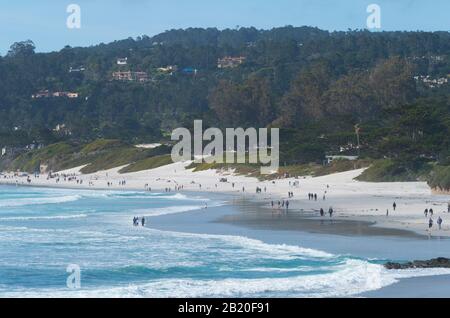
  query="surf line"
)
[{"x": 201, "y": 309}]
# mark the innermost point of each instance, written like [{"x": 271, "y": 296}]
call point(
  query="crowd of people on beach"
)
[
  {"x": 260, "y": 190},
  {"x": 330, "y": 212},
  {"x": 429, "y": 213},
  {"x": 282, "y": 204}
]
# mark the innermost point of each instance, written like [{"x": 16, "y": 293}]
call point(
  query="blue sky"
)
[{"x": 44, "y": 21}]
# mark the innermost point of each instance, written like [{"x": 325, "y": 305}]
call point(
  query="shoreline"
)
[
  {"x": 270, "y": 219},
  {"x": 351, "y": 200},
  {"x": 403, "y": 245},
  {"x": 257, "y": 216},
  {"x": 372, "y": 247},
  {"x": 414, "y": 287}
]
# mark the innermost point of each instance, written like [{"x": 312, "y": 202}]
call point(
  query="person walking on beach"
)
[
  {"x": 287, "y": 205},
  {"x": 272, "y": 204},
  {"x": 330, "y": 211},
  {"x": 439, "y": 222},
  {"x": 431, "y": 212},
  {"x": 143, "y": 221},
  {"x": 426, "y": 213},
  {"x": 394, "y": 206},
  {"x": 430, "y": 224},
  {"x": 315, "y": 197},
  {"x": 322, "y": 212}
]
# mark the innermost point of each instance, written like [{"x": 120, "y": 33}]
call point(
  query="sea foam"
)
[
  {"x": 38, "y": 201},
  {"x": 354, "y": 278}
]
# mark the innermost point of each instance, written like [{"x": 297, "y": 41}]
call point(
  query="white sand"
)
[{"x": 349, "y": 198}]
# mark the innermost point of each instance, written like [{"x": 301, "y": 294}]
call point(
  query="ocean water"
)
[{"x": 43, "y": 231}]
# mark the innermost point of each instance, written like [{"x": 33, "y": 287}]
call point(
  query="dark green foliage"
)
[
  {"x": 440, "y": 178},
  {"x": 102, "y": 154},
  {"x": 148, "y": 163},
  {"x": 392, "y": 171},
  {"x": 314, "y": 85}
]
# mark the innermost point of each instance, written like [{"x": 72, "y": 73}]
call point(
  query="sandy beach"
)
[
  {"x": 360, "y": 202},
  {"x": 357, "y": 229},
  {"x": 367, "y": 241}
]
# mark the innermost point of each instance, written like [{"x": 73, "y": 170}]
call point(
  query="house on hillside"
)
[
  {"x": 122, "y": 76},
  {"x": 140, "y": 77},
  {"x": 130, "y": 76},
  {"x": 170, "y": 69},
  {"x": 330, "y": 159},
  {"x": 41, "y": 94},
  {"x": 122, "y": 61},
  {"x": 77, "y": 69},
  {"x": 62, "y": 130},
  {"x": 72, "y": 95},
  {"x": 430, "y": 81},
  {"x": 48, "y": 94},
  {"x": 65, "y": 94},
  {"x": 230, "y": 62}
]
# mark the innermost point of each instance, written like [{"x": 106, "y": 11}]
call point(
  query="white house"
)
[
  {"x": 122, "y": 61},
  {"x": 330, "y": 159}
]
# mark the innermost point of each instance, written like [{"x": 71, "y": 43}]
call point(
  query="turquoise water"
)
[{"x": 43, "y": 231}]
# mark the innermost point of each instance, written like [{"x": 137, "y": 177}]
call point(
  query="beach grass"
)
[
  {"x": 147, "y": 163},
  {"x": 300, "y": 170},
  {"x": 388, "y": 170},
  {"x": 99, "y": 155},
  {"x": 440, "y": 178}
]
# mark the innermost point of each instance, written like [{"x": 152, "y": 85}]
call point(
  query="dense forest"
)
[{"x": 317, "y": 86}]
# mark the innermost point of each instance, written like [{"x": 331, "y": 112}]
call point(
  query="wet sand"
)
[
  {"x": 248, "y": 218},
  {"x": 416, "y": 287},
  {"x": 254, "y": 215},
  {"x": 352, "y": 200}
]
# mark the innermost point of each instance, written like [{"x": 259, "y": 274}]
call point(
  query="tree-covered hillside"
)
[{"x": 313, "y": 84}]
